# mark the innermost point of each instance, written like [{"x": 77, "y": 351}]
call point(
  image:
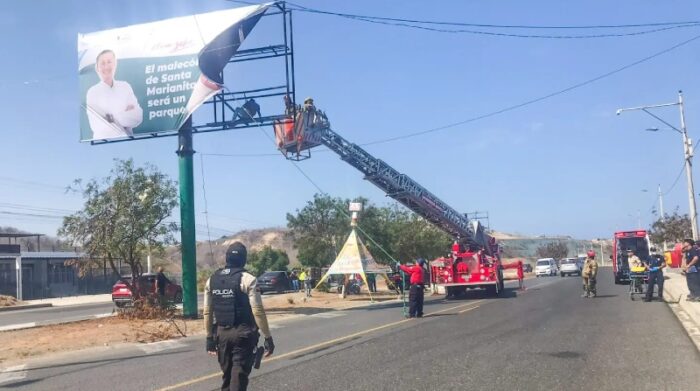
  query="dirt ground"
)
[{"x": 34, "y": 342}]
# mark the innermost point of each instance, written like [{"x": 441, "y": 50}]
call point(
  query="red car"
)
[{"x": 121, "y": 294}]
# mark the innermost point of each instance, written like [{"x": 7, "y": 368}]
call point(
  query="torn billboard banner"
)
[{"x": 149, "y": 78}]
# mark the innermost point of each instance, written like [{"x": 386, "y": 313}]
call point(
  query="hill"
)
[{"x": 212, "y": 255}]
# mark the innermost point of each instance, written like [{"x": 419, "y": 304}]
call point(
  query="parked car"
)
[
  {"x": 274, "y": 281},
  {"x": 570, "y": 266},
  {"x": 546, "y": 267},
  {"x": 122, "y": 296}
]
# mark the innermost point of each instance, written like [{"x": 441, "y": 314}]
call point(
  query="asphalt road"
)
[
  {"x": 544, "y": 338},
  {"x": 64, "y": 313}
]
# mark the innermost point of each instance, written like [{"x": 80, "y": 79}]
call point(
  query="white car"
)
[
  {"x": 570, "y": 266},
  {"x": 546, "y": 267}
]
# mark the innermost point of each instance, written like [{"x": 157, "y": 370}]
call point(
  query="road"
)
[
  {"x": 544, "y": 338},
  {"x": 59, "y": 314}
]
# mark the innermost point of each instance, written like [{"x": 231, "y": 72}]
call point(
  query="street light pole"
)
[{"x": 687, "y": 153}]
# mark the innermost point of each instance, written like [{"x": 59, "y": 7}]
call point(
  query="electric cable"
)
[
  {"x": 206, "y": 207},
  {"x": 507, "y": 108}
]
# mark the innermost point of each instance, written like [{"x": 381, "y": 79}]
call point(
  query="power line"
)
[
  {"x": 655, "y": 24},
  {"x": 580, "y": 27},
  {"x": 539, "y": 99},
  {"x": 423, "y": 25},
  {"x": 505, "y": 109}
]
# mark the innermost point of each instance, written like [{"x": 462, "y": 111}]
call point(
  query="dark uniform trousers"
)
[
  {"x": 657, "y": 278},
  {"x": 415, "y": 300},
  {"x": 235, "y": 352}
]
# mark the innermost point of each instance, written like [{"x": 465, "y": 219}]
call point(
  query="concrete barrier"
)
[{"x": 676, "y": 291}]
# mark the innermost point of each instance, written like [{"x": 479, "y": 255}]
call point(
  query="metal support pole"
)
[
  {"x": 688, "y": 153},
  {"x": 18, "y": 268},
  {"x": 187, "y": 222},
  {"x": 661, "y": 214}
]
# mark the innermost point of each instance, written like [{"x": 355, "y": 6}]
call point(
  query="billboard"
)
[{"x": 147, "y": 79}]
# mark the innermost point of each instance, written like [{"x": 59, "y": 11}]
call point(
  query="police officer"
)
[
  {"x": 655, "y": 264},
  {"x": 415, "y": 294},
  {"x": 231, "y": 296},
  {"x": 589, "y": 273}
]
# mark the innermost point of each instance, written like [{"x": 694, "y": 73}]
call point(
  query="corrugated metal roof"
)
[{"x": 45, "y": 255}]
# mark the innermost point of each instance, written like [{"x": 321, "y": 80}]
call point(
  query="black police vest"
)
[{"x": 230, "y": 304}]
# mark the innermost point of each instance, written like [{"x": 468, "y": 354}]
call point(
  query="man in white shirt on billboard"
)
[{"x": 112, "y": 108}]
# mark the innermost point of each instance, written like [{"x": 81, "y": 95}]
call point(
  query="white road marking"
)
[
  {"x": 18, "y": 326},
  {"x": 328, "y": 315},
  {"x": 275, "y": 326},
  {"x": 17, "y": 372},
  {"x": 156, "y": 347},
  {"x": 105, "y": 315}
]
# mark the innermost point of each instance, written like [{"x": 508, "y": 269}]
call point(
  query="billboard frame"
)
[{"x": 223, "y": 104}]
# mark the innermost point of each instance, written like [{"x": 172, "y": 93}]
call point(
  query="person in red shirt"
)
[{"x": 415, "y": 294}]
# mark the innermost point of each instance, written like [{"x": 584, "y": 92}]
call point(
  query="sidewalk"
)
[
  {"x": 675, "y": 293},
  {"x": 73, "y": 300}
]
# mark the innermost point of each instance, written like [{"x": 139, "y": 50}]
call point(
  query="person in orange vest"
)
[{"x": 415, "y": 294}]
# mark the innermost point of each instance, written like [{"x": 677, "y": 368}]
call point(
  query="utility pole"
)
[{"x": 688, "y": 152}]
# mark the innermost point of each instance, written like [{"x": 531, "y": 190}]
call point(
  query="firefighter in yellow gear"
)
[{"x": 589, "y": 274}]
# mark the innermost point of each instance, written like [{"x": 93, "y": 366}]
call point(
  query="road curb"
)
[{"x": 25, "y": 307}]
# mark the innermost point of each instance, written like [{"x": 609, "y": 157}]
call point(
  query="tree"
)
[
  {"x": 123, "y": 217},
  {"x": 322, "y": 226},
  {"x": 319, "y": 229},
  {"x": 267, "y": 259},
  {"x": 411, "y": 236},
  {"x": 671, "y": 229},
  {"x": 556, "y": 250}
]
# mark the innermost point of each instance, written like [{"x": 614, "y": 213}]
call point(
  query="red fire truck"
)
[
  {"x": 468, "y": 269},
  {"x": 638, "y": 242}
]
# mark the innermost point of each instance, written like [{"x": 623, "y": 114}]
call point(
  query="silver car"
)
[{"x": 570, "y": 266}]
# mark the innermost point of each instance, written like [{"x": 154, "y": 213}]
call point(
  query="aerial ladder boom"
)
[{"x": 310, "y": 128}]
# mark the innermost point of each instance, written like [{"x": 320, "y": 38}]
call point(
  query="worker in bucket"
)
[
  {"x": 590, "y": 271},
  {"x": 416, "y": 292}
]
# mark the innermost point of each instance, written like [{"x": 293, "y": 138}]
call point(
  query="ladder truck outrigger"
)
[{"x": 474, "y": 261}]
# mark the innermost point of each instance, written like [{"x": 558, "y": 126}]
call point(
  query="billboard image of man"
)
[{"x": 112, "y": 108}]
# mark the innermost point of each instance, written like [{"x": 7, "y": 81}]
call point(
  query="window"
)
[{"x": 61, "y": 274}]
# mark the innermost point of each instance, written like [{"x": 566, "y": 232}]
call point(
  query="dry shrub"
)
[
  {"x": 153, "y": 319},
  {"x": 290, "y": 300},
  {"x": 7, "y": 301}
]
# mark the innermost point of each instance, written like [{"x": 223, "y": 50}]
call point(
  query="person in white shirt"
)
[{"x": 112, "y": 108}]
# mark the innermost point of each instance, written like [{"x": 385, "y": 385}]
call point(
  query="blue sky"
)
[{"x": 566, "y": 165}]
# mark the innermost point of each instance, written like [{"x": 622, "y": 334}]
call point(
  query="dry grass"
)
[
  {"x": 151, "y": 323},
  {"x": 7, "y": 301}
]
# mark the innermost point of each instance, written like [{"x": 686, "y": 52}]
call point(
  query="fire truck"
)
[
  {"x": 637, "y": 241},
  {"x": 474, "y": 261}
]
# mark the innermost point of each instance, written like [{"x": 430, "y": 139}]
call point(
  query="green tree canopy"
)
[
  {"x": 320, "y": 229},
  {"x": 671, "y": 229},
  {"x": 123, "y": 216},
  {"x": 267, "y": 259}
]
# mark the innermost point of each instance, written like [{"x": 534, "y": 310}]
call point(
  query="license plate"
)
[{"x": 123, "y": 289}]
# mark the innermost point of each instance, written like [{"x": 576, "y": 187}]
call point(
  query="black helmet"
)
[{"x": 236, "y": 255}]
